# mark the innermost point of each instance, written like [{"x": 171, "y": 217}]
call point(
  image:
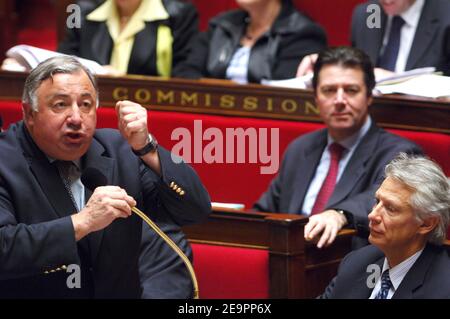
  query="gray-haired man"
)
[
  {"x": 49, "y": 220},
  {"x": 407, "y": 228}
]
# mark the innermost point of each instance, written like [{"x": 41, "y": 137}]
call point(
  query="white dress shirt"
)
[{"x": 238, "y": 68}]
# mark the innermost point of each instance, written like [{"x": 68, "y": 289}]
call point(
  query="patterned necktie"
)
[
  {"x": 329, "y": 183},
  {"x": 388, "y": 59},
  {"x": 69, "y": 173},
  {"x": 386, "y": 285}
]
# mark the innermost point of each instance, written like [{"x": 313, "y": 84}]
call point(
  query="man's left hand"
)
[
  {"x": 328, "y": 223},
  {"x": 133, "y": 123}
]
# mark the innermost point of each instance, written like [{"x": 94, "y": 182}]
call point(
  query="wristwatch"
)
[
  {"x": 151, "y": 146},
  {"x": 348, "y": 216}
]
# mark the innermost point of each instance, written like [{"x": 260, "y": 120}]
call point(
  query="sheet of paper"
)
[
  {"x": 227, "y": 205},
  {"x": 30, "y": 57},
  {"x": 303, "y": 82},
  {"x": 403, "y": 76},
  {"x": 429, "y": 85}
]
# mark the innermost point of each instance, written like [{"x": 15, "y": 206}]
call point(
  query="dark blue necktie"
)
[
  {"x": 389, "y": 57},
  {"x": 386, "y": 284}
]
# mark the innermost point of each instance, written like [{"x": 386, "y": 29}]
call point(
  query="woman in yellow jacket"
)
[{"x": 148, "y": 37}]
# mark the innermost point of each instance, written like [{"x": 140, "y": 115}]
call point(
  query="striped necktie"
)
[
  {"x": 69, "y": 173},
  {"x": 386, "y": 285}
]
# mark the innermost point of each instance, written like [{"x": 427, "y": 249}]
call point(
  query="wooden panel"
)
[
  {"x": 296, "y": 269},
  {"x": 226, "y": 98}
]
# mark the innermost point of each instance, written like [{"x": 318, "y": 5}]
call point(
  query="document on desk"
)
[
  {"x": 236, "y": 206},
  {"x": 302, "y": 82},
  {"x": 403, "y": 76},
  {"x": 30, "y": 57},
  {"x": 429, "y": 85}
]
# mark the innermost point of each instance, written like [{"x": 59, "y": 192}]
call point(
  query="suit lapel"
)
[
  {"x": 415, "y": 277},
  {"x": 93, "y": 158},
  {"x": 144, "y": 47},
  {"x": 356, "y": 167},
  {"x": 425, "y": 34},
  {"x": 305, "y": 171},
  {"x": 47, "y": 176}
]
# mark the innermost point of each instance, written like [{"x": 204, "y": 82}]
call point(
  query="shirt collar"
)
[
  {"x": 397, "y": 273},
  {"x": 352, "y": 141},
  {"x": 412, "y": 14},
  {"x": 149, "y": 10},
  {"x": 77, "y": 162}
]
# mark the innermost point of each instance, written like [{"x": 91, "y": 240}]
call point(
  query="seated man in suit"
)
[
  {"x": 407, "y": 228},
  {"x": 413, "y": 34},
  {"x": 331, "y": 175},
  {"x": 55, "y": 218}
]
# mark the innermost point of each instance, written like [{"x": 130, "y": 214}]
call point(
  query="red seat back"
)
[{"x": 231, "y": 272}]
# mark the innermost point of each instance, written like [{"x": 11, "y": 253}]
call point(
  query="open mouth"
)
[{"x": 74, "y": 137}]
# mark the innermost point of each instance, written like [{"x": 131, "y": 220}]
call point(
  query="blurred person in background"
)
[{"x": 264, "y": 39}]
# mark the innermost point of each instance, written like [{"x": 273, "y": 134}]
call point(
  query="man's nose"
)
[
  {"x": 339, "y": 98},
  {"x": 374, "y": 215},
  {"x": 74, "y": 117}
]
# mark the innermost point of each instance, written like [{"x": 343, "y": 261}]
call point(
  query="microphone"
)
[{"x": 93, "y": 178}]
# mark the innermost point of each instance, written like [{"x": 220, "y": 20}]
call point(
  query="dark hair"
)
[{"x": 346, "y": 57}]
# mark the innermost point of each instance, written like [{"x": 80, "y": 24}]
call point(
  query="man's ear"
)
[
  {"x": 428, "y": 224},
  {"x": 28, "y": 113}
]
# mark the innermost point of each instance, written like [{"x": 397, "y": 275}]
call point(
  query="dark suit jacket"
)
[
  {"x": 275, "y": 55},
  {"x": 36, "y": 232},
  {"x": 163, "y": 273},
  {"x": 429, "y": 277},
  {"x": 431, "y": 44},
  {"x": 92, "y": 41},
  {"x": 355, "y": 191}
]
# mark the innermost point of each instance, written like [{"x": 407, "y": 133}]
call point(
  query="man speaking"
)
[{"x": 51, "y": 222}]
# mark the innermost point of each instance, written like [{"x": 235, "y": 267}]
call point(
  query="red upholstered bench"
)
[{"x": 221, "y": 274}]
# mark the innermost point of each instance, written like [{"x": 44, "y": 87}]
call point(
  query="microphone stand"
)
[{"x": 170, "y": 242}]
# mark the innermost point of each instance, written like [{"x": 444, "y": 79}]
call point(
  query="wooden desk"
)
[
  {"x": 226, "y": 98},
  {"x": 296, "y": 269}
]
